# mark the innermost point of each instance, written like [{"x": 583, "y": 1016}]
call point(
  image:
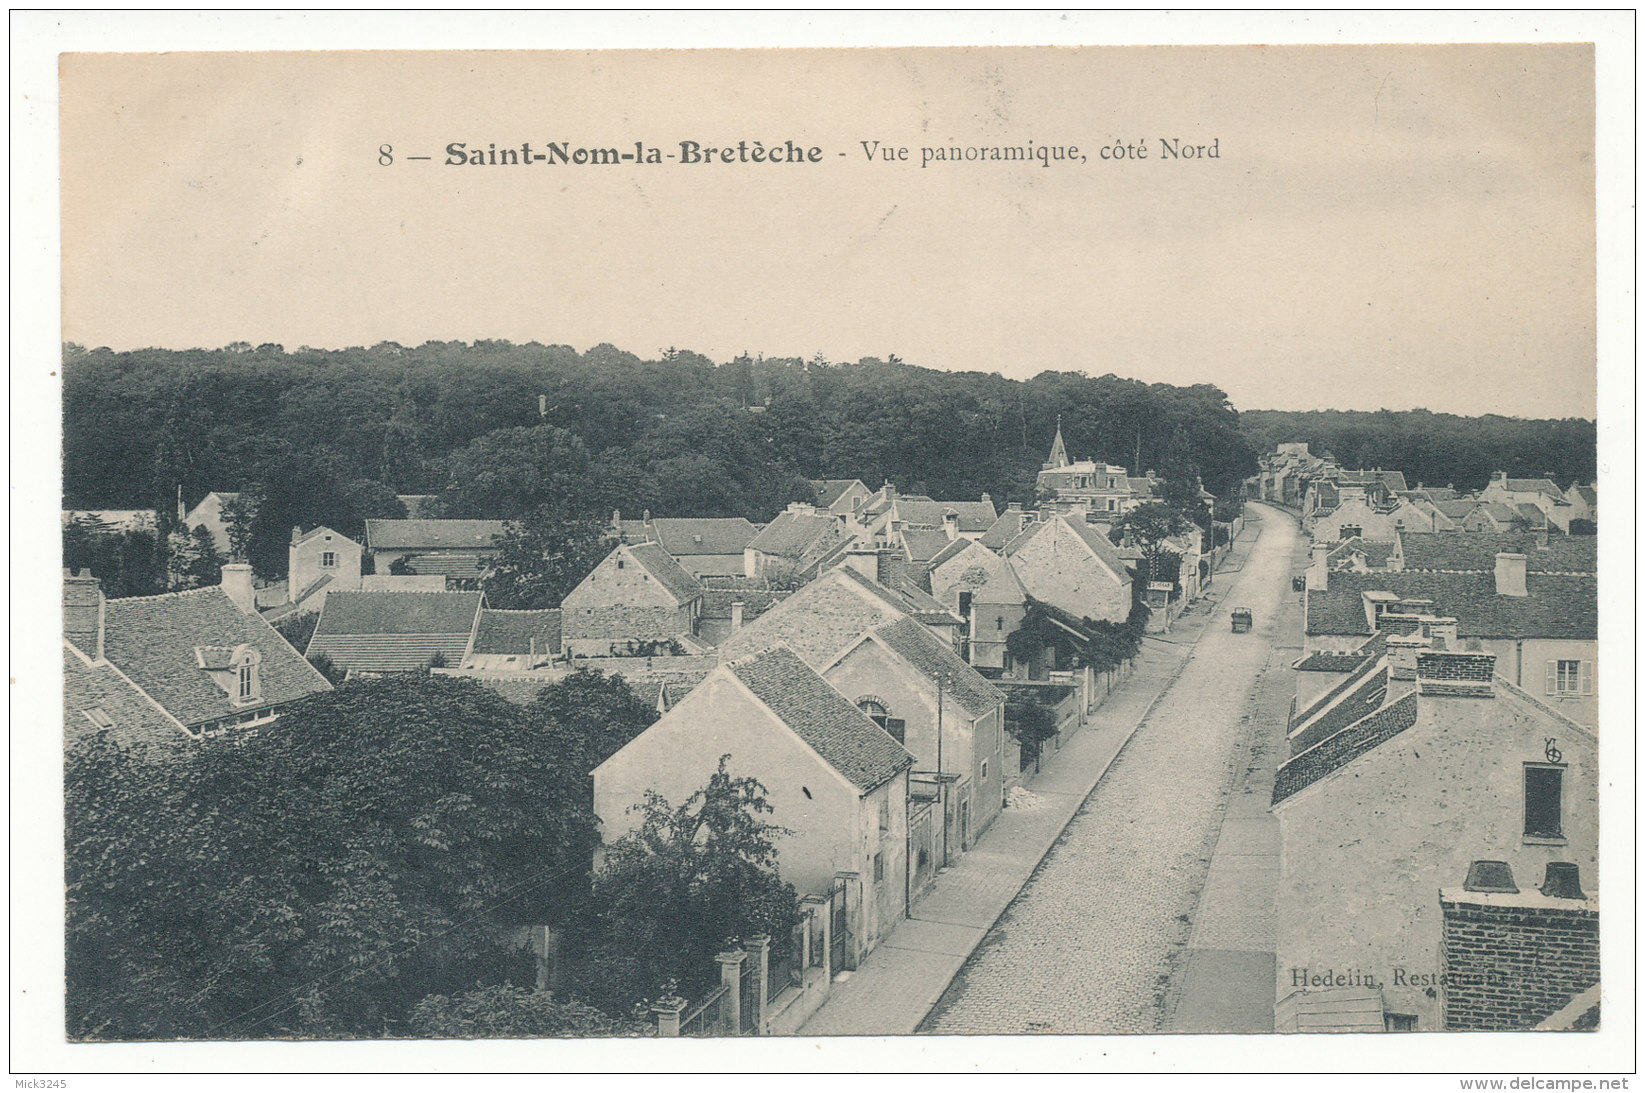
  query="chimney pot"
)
[
  {"x": 1563, "y": 881},
  {"x": 1490, "y": 876}
]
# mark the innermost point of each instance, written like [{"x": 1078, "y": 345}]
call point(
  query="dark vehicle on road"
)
[{"x": 1242, "y": 619}]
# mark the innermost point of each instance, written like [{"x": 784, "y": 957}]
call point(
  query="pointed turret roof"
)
[{"x": 1059, "y": 453}]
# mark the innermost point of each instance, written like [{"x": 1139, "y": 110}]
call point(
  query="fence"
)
[{"x": 711, "y": 1016}]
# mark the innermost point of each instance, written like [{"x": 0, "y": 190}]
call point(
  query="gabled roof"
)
[
  {"x": 1093, "y": 537},
  {"x": 1375, "y": 551},
  {"x": 904, "y": 597},
  {"x": 924, "y": 544},
  {"x": 1476, "y": 552},
  {"x": 948, "y": 553},
  {"x": 513, "y": 632},
  {"x": 1003, "y": 530},
  {"x": 836, "y": 730},
  {"x": 1004, "y": 586},
  {"x": 1394, "y": 480},
  {"x": 791, "y": 534},
  {"x": 152, "y": 641},
  {"x": 1459, "y": 509},
  {"x": 395, "y": 631},
  {"x": 1555, "y": 606},
  {"x": 96, "y": 696},
  {"x": 665, "y": 571},
  {"x": 687, "y": 536},
  {"x": 1503, "y": 512},
  {"x": 321, "y": 529},
  {"x": 974, "y": 516},
  {"x": 1587, "y": 493},
  {"x": 937, "y": 661},
  {"x": 1307, "y": 767},
  {"x": 826, "y": 491},
  {"x": 432, "y": 534}
]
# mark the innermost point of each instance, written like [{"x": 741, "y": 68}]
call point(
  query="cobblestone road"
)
[{"x": 1090, "y": 944}]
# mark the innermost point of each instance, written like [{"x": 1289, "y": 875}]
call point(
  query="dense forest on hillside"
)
[
  {"x": 679, "y": 435},
  {"x": 1436, "y": 449}
]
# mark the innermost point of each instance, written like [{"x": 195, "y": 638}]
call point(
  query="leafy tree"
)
[
  {"x": 1031, "y": 723},
  {"x": 589, "y": 716},
  {"x": 674, "y": 890},
  {"x": 128, "y": 562},
  {"x": 511, "y": 472},
  {"x": 297, "y": 629},
  {"x": 509, "y": 1012},
  {"x": 192, "y": 559},
  {"x": 1152, "y": 525},
  {"x": 322, "y": 876},
  {"x": 323, "y": 664},
  {"x": 543, "y": 557}
]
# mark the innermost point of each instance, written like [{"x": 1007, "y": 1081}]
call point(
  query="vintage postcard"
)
[{"x": 1083, "y": 545}]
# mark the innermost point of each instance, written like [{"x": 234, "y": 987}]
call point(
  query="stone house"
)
[
  {"x": 459, "y": 550},
  {"x": 711, "y": 546},
  {"x": 1099, "y": 488},
  {"x": 950, "y": 719},
  {"x": 821, "y": 618},
  {"x": 637, "y": 594},
  {"x": 997, "y": 611},
  {"x": 839, "y": 496},
  {"x": 1495, "y": 517},
  {"x": 1584, "y": 502},
  {"x": 1399, "y": 785},
  {"x": 937, "y": 520},
  {"x": 1073, "y": 566},
  {"x": 318, "y": 561},
  {"x": 1541, "y": 493},
  {"x": 195, "y": 663},
  {"x": 370, "y": 633},
  {"x": 513, "y": 641},
  {"x": 1542, "y": 627},
  {"x": 790, "y": 546},
  {"x": 959, "y": 571},
  {"x": 834, "y": 779}
]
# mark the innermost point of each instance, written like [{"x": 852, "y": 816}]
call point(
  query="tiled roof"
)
[
  {"x": 682, "y": 537},
  {"x": 1003, "y": 530},
  {"x": 717, "y": 601},
  {"x": 936, "y": 660},
  {"x": 1503, "y": 512},
  {"x": 1376, "y": 552},
  {"x": 791, "y": 534},
  {"x": 506, "y": 632},
  {"x": 1477, "y": 551},
  {"x": 1394, "y": 480},
  {"x": 1556, "y": 606},
  {"x": 1457, "y": 509},
  {"x": 1350, "y": 700},
  {"x": 400, "y": 612},
  {"x": 98, "y": 690},
  {"x": 394, "y": 631},
  {"x": 835, "y": 729},
  {"x": 432, "y": 534},
  {"x": 1334, "y": 752},
  {"x": 152, "y": 640},
  {"x": 1329, "y": 662},
  {"x": 923, "y": 544},
  {"x": 457, "y": 567},
  {"x": 952, "y": 550},
  {"x": 974, "y": 516},
  {"x": 666, "y": 571},
  {"x": 1587, "y": 493},
  {"x": 828, "y": 490},
  {"x": 319, "y": 530},
  {"x": 903, "y": 597},
  {"x": 1093, "y": 537},
  {"x": 1534, "y": 485}
]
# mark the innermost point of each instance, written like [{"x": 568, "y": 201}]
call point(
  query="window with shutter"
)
[{"x": 897, "y": 727}]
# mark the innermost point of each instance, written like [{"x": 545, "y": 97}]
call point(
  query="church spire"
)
[{"x": 1059, "y": 453}]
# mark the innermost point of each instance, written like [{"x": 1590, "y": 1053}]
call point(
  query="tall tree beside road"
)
[{"x": 1152, "y": 525}]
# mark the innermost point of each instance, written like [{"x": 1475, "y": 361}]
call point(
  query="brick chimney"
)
[
  {"x": 1013, "y": 506},
  {"x": 1318, "y": 576},
  {"x": 1450, "y": 674},
  {"x": 736, "y": 616},
  {"x": 1510, "y": 575},
  {"x": 987, "y": 500},
  {"x": 237, "y": 586},
  {"x": 83, "y": 612}
]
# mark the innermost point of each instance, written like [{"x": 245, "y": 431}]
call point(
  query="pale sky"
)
[{"x": 1385, "y": 226}]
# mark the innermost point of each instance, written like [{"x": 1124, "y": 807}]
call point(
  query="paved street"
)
[{"x": 1103, "y": 929}]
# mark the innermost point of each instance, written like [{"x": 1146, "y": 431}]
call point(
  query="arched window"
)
[{"x": 876, "y": 712}]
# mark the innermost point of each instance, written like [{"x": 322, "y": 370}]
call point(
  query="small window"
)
[
  {"x": 876, "y": 712},
  {"x": 898, "y": 728},
  {"x": 885, "y": 814},
  {"x": 248, "y": 680},
  {"x": 1399, "y": 1022},
  {"x": 1543, "y": 804},
  {"x": 985, "y": 770},
  {"x": 879, "y": 868},
  {"x": 965, "y": 605},
  {"x": 999, "y": 623},
  {"x": 619, "y": 563},
  {"x": 1570, "y": 677},
  {"x": 328, "y": 559}
]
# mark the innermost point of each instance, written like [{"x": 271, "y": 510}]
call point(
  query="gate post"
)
[
  {"x": 760, "y": 946},
  {"x": 731, "y": 969},
  {"x": 668, "y": 1011}
]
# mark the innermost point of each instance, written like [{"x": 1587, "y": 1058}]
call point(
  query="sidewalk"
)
[
  {"x": 1225, "y": 981},
  {"x": 905, "y": 976}
]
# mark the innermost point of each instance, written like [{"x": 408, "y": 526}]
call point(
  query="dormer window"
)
[{"x": 248, "y": 683}]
